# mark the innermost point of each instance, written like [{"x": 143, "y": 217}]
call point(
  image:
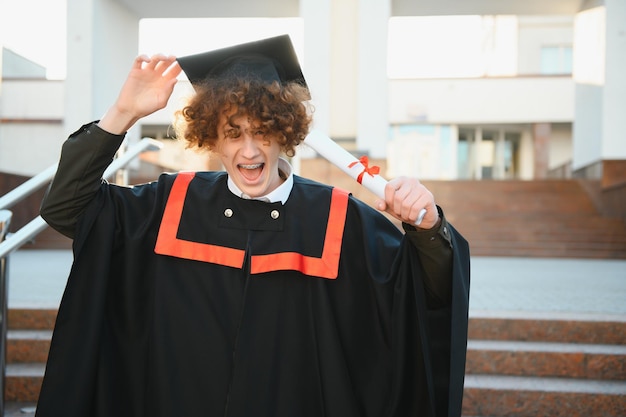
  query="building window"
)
[{"x": 556, "y": 59}]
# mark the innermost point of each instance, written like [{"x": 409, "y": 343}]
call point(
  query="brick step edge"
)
[
  {"x": 19, "y": 408},
  {"x": 31, "y": 318},
  {"x": 28, "y": 346},
  {"x": 550, "y": 327},
  {"x": 590, "y": 361},
  {"x": 608, "y": 329},
  {"x": 484, "y": 395},
  {"x": 483, "y": 356},
  {"x": 537, "y": 253},
  {"x": 23, "y": 381},
  {"x": 571, "y": 360},
  {"x": 495, "y": 396}
]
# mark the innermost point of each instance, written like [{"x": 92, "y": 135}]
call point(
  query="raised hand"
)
[{"x": 147, "y": 89}]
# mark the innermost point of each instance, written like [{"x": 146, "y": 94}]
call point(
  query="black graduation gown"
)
[{"x": 203, "y": 309}]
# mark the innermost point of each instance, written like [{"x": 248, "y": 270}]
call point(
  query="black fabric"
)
[
  {"x": 140, "y": 334},
  {"x": 270, "y": 59}
]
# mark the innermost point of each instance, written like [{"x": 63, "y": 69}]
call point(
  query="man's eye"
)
[
  {"x": 231, "y": 133},
  {"x": 259, "y": 132}
]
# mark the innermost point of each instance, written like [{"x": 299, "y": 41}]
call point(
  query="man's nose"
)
[{"x": 250, "y": 147}]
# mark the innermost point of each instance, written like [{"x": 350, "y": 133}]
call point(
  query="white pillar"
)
[
  {"x": 373, "y": 119},
  {"x": 79, "y": 83},
  {"x": 614, "y": 102},
  {"x": 344, "y": 68},
  {"x": 316, "y": 65},
  {"x": 498, "y": 159},
  {"x": 477, "y": 155},
  {"x": 102, "y": 39},
  {"x": 599, "y": 123}
]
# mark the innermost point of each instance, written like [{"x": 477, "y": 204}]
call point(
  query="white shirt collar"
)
[{"x": 281, "y": 193}]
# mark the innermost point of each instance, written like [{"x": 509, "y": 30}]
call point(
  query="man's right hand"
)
[{"x": 147, "y": 89}]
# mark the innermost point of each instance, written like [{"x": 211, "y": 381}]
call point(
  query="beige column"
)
[
  {"x": 498, "y": 157},
  {"x": 599, "y": 123},
  {"x": 614, "y": 103},
  {"x": 541, "y": 149},
  {"x": 317, "y": 58},
  {"x": 373, "y": 118},
  {"x": 102, "y": 39},
  {"x": 476, "y": 155},
  {"x": 344, "y": 68}
]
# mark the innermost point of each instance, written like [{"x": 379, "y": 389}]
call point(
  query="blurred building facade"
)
[
  {"x": 556, "y": 108},
  {"x": 511, "y": 118}
]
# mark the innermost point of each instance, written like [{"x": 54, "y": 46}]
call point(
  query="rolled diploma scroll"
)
[{"x": 345, "y": 161}]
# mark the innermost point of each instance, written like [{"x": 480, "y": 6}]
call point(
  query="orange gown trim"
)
[{"x": 326, "y": 266}]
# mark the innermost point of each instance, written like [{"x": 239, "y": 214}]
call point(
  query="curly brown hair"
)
[{"x": 280, "y": 109}]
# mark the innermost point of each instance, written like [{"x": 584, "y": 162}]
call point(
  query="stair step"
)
[
  {"x": 603, "y": 330},
  {"x": 31, "y": 318},
  {"x": 584, "y": 361},
  {"x": 536, "y": 229},
  {"x": 502, "y": 351},
  {"x": 484, "y": 395},
  {"x": 543, "y": 253},
  {"x": 19, "y": 409},
  {"x": 545, "y": 218},
  {"x": 551, "y": 243},
  {"x": 23, "y": 381},
  {"x": 490, "y": 395},
  {"x": 26, "y": 346},
  {"x": 551, "y": 247},
  {"x": 542, "y": 250}
]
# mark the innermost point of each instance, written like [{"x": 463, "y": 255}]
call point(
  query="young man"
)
[{"x": 250, "y": 292}]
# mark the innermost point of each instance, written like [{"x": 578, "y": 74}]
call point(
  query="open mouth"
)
[{"x": 251, "y": 172}]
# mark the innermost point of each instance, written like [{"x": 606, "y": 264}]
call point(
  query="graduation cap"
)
[{"x": 271, "y": 59}]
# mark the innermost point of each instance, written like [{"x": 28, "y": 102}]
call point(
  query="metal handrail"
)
[
  {"x": 18, "y": 194},
  {"x": 13, "y": 241},
  {"x": 16, "y": 240},
  {"x": 5, "y": 221}
]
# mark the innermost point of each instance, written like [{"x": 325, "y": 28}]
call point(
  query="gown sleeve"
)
[
  {"x": 434, "y": 249},
  {"x": 84, "y": 157}
]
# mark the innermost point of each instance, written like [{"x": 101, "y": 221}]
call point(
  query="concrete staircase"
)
[
  {"x": 515, "y": 367},
  {"x": 519, "y": 367},
  {"x": 545, "y": 218},
  {"x": 28, "y": 342},
  {"x": 540, "y": 218},
  {"x": 570, "y": 367}
]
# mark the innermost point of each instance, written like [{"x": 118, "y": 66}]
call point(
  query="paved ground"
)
[
  {"x": 19, "y": 410},
  {"x": 551, "y": 286},
  {"x": 525, "y": 287},
  {"x": 498, "y": 285}
]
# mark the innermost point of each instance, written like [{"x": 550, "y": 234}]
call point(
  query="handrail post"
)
[{"x": 5, "y": 221}]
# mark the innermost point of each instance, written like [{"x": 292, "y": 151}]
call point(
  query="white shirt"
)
[{"x": 281, "y": 193}]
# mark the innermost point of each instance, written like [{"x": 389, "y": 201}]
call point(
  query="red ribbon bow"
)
[{"x": 373, "y": 170}]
